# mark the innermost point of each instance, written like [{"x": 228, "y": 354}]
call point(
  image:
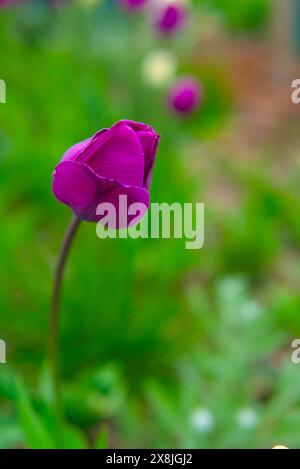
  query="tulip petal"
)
[
  {"x": 149, "y": 141},
  {"x": 75, "y": 151},
  {"x": 117, "y": 154},
  {"x": 75, "y": 184}
]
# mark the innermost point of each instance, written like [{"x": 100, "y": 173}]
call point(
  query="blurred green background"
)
[{"x": 160, "y": 347}]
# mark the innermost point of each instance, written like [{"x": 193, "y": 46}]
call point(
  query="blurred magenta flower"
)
[
  {"x": 185, "y": 95},
  {"x": 116, "y": 161},
  {"x": 133, "y": 4},
  {"x": 170, "y": 18},
  {"x": 5, "y": 3}
]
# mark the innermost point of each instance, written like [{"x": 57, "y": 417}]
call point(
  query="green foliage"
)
[
  {"x": 241, "y": 15},
  {"x": 36, "y": 435},
  {"x": 225, "y": 380}
]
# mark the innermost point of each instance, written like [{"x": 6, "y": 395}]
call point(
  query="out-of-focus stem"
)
[{"x": 54, "y": 313}]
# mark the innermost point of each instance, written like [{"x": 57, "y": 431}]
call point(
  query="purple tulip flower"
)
[
  {"x": 6, "y": 3},
  {"x": 114, "y": 162},
  {"x": 170, "y": 18},
  {"x": 133, "y": 4},
  {"x": 185, "y": 95}
]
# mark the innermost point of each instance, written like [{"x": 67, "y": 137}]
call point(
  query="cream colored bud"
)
[{"x": 159, "y": 68}]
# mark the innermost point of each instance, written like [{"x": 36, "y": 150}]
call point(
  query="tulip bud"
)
[
  {"x": 6, "y": 3},
  {"x": 170, "y": 18},
  {"x": 114, "y": 162},
  {"x": 133, "y": 4},
  {"x": 185, "y": 95}
]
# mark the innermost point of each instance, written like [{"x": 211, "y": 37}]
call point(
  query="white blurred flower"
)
[
  {"x": 280, "y": 447},
  {"x": 162, "y": 3},
  {"x": 247, "y": 418},
  {"x": 250, "y": 310},
  {"x": 89, "y": 3},
  {"x": 202, "y": 420},
  {"x": 159, "y": 68}
]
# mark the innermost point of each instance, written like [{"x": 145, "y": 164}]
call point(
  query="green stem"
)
[{"x": 54, "y": 313}]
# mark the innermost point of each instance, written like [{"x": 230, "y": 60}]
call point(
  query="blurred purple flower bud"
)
[
  {"x": 185, "y": 95},
  {"x": 133, "y": 4},
  {"x": 170, "y": 18},
  {"x": 6, "y": 3},
  {"x": 116, "y": 161}
]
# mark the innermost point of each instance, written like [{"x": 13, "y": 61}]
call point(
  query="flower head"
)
[
  {"x": 114, "y": 162},
  {"x": 6, "y": 3},
  {"x": 247, "y": 418},
  {"x": 185, "y": 95},
  {"x": 170, "y": 18},
  {"x": 89, "y": 3},
  {"x": 159, "y": 68},
  {"x": 202, "y": 420},
  {"x": 133, "y": 4}
]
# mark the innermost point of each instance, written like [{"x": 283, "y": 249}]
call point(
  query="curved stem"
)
[{"x": 54, "y": 312}]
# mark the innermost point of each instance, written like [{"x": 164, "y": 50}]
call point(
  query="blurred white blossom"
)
[
  {"x": 162, "y": 3},
  {"x": 159, "y": 68},
  {"x": 202, "y": 420},
  {"x": 250, "y": 310},
  {"x": 89, "y": 3},
  {"x": 247, "y": 418}
]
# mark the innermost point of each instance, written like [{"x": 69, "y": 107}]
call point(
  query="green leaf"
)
[
  {"x": 102, "y": 439},
  {"x": 36, "y": 435},
  {"x": 73, "y": 438}
]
